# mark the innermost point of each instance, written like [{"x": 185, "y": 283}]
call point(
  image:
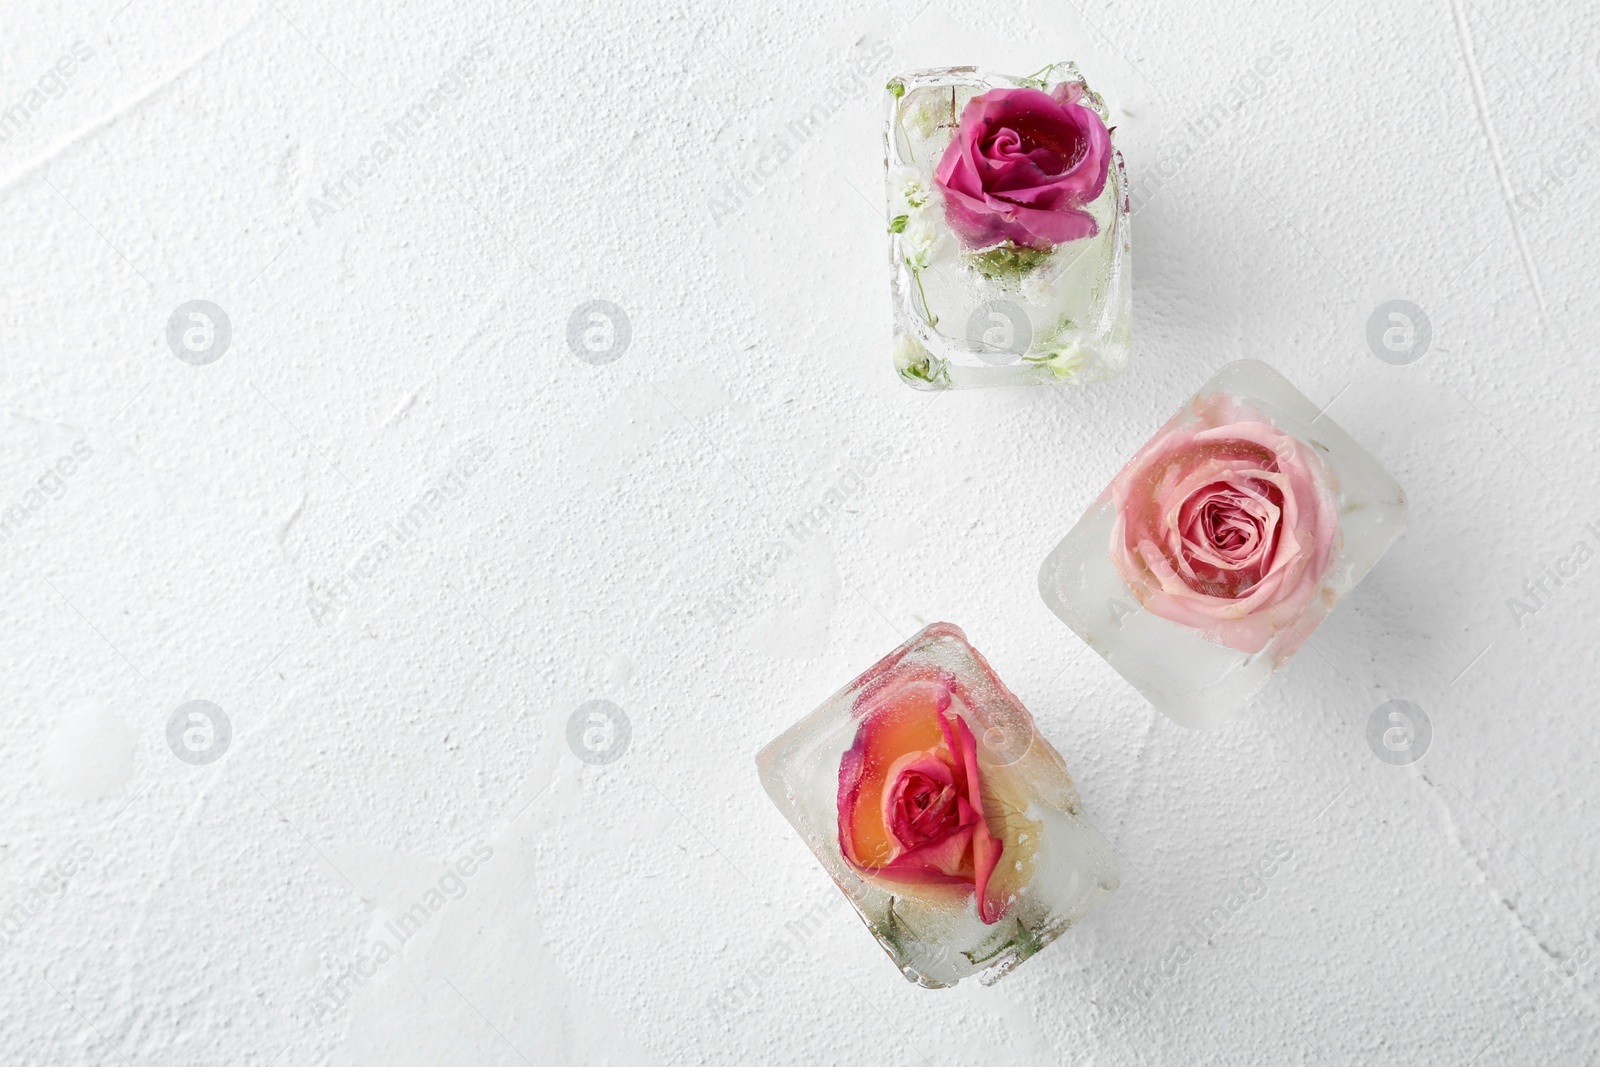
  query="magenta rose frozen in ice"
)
[
  {"x": 1021, "y": 167},
  {"x": 1226, "y": 524},
  {"x": 1008, "y": 222}
]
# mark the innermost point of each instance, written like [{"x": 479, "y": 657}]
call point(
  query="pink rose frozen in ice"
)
[
  {"x": 1021, "y": 167},
  {"x": 1225, "y": 524}
]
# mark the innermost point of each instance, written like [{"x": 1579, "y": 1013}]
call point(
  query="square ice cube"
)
[
  {"x": 1008, "y": 230},
  {"x": 948, "y": 822},
  {"x": 1222, "y": 544}
]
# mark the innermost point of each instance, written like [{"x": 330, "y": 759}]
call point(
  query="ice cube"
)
[
  {"x": 948, "y": 821},
  {"x": 1221, "y": 545},
  {"x": 1008, "y": 232}
]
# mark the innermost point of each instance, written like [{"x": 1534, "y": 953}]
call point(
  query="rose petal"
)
[
  {"x": 986, "y": 848},
  {"x": 904, "y": 718}
]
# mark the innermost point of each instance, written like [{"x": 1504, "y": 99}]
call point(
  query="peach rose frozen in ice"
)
[
  {"x": 1225, "y": 524},
  {"x": 927, "y": 793},
  {"x": 914, "y": 810}
]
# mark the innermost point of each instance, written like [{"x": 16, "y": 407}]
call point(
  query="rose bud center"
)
[
  {"x": 924, "y": 808},
  {"x": 1233, "y": 529},
  {"x": 1053, "y": 149}
]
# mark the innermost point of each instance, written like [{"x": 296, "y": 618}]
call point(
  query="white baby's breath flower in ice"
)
[
  {"x": 1068, "y": 362},
  {"x": 913, "y": 361},
  {"x": 1066, "y": 355},
  {"x": 907, "y": 190},
  {"x": 921, "y": 240},
  {"x": 909, "y": 353}
]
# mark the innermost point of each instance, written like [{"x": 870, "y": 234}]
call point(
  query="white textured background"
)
[{"x": 627, "y": 538}]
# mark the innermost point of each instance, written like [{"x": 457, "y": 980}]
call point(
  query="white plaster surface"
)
[{"x": 624, "y": 532}]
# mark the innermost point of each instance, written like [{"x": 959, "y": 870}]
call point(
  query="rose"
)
[
  {"x": 1226, "y": 524},
  {"x": 1022, "y": 165},
  {"x": 913, "y": 806}
]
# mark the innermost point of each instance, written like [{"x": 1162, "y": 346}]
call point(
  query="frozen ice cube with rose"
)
[
  {"x": 1222, "y": 544},
  {"x": 948, "y": 821},
  {"x": 1008, "y": 229}
]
